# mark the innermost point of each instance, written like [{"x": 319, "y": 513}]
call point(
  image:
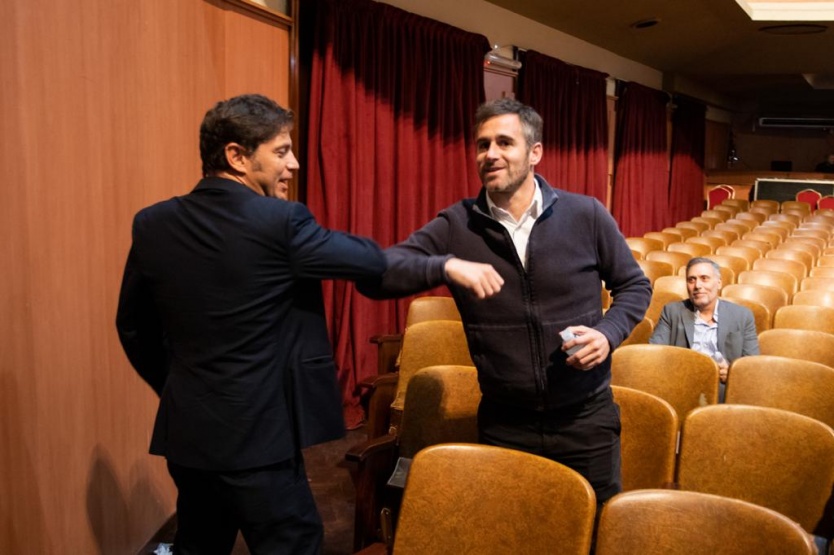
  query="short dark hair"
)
[
  {"x": 531, "y": 121},
  {"x": 703, "y": 260},
  {"x": 249, "y": 120}
]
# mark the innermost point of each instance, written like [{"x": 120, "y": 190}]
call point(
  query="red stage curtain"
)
[
  {"x": 572, "y": 103},
  {"x": 686, "y": 182},
  {"x": 641, "y": 179},
  {"x": 390, "y": 144}
]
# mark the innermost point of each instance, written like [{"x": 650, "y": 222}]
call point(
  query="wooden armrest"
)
[
  {"x": 370, "y": 464},
  {"x": 359, "y": 454},
  {"x": 372, "y": 382},
  {"x": 388, "y": 350}
]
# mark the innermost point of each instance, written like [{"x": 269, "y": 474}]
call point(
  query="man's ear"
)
[
  {"x": 536, "y": 154},
  {"x": 236, "y": 156}
]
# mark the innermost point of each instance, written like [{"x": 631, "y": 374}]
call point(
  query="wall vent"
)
[{"x": 798, "y": 123}]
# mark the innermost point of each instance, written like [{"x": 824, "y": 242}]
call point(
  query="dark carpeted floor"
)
[{"x": 332, "y": 488}]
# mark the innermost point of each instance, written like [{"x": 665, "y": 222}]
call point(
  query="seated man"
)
[{"x": 695, "y": 322}]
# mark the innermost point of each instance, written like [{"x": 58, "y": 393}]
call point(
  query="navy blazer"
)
[
  {"x": 736, "y": 328},
  {"x": 221, "y": 312}
]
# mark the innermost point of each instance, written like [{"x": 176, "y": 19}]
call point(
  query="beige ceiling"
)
[{"x": 713, "y": 43}]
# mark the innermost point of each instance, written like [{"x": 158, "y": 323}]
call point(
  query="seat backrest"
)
[
  {"x": 787, "y": 252},
  {"x": 822, "y": 271},
  {"x": 663, "y": 237},
  {"x": 648, "y": 439},
  {"x": 718, "y": 214},
  {"x": 462, "y": 498},
  {"x": 644, "y": 245},
  {"x": 817, "y": 283},
  {"x": 718, "y": 194},
  {"x": 725, "y": 234},
  {"x": 691, "y": 224},
  {"x": 786, "y": 217},
  {"x": 693, "y": 523},
  {"x": 771, "y": 205},
  {"x": 682, "y": 377},
  {"x": 730, "y": 210},
  {"x": 813, "y": 245},
  {"x": 799, "y": 386},
  {"x": 654, "y": 269},
  {"x": 815, "y": 297},
  {"x": 423, "y": 309},
  {"x": 683, "y": 232},
  {"x": 661, "y": 298},
  {"x": 792, "y": 267},
  {"x": 429, "y": 344},
  {"x": 441, "y": 406},
  {"x": 772, "y": 297},
  {"x": 757, "y": 217},
  {"x": 826, "y": 203},
  {"x": 640, "y": 334},
  {"x": 761, "y": 314},
  {"x": 735, "y": 263},
  {"x": 747, "y": 253},
  {"x": 741, "y": 204},
  {"x": 826, "y": 259},
  {"x": 692, "y": 249},
  {"x": 781, "y": 280},
  {"x": 816, "y": 346},
  {"x": 773, "y": 239},
  {"x": 805, "y": 317},
  {"x": 797, "y": 204},
  {"x": 808, "y": 197},
  {"x": 712, "y": 242},
  {"x": 675, "y": 259},
  {"x": 734, "y": 225},
  {"x": 674, "y": 284},
  {"x": 771, "y": 457},
  {"x": 760, "y": 246}
]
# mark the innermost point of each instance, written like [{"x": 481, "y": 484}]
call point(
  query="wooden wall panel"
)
[{"x": 101, "y": 102}]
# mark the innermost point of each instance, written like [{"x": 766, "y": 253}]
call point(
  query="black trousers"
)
[
  {"x": 272, "y": 506},
  {"x": 584, "y": 437}
]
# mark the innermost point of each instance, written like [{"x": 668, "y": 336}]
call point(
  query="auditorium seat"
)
[
  {"x": 805, "y": 317},
  {"x": 814, "y": 297},
  {"x": 800, "y": 386},
  {"x": 648, "y": 439},
  {"x": 675, "y": 259},
  {"x": 464, "y": 498},
  {"x": 786, "y": 282},
  {"x": 692, "y": 249},
  {"x": 773, "y": 298},
  {"x": 817, "y": 283},
  {"x": 771, "y": 457},
  {"x": 816, "y": 346},
  {"x": 694, "y": 523},
  {"x": 684, "y": 378},
  {"x": 792, "y": 267}
]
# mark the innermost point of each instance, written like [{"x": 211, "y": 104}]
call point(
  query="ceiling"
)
[{"x": 712, "y": 43}]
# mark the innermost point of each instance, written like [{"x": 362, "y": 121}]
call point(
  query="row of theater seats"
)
[
  {"x": 439, "y": 405},
  {"x": 768, "y": 259},
  {"x": 771, "y": 444}
]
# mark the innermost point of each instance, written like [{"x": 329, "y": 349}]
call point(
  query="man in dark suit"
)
[
  {"x": 722, "y": 330},
  {"x": 221, "y": 313}
]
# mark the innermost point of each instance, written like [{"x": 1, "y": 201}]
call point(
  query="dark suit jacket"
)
[
  {"x": 221, "y": 313},
  {"x": 736, "y": 328}
]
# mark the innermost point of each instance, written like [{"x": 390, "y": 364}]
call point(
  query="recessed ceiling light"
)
[
  {"x": 788, "y": 10},
  {"x": 794, "y": 29},
  {"x": 645, "y": 23}
]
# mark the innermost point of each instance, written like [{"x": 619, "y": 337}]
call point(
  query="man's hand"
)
[
  {"x": 723, "y": 371},
  {"x": 594, "y": 351},
  {"x": 481, "y": 279}
]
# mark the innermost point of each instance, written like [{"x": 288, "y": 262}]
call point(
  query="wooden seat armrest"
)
[
  {"x": 373, "y": 382},
  {"x": 387, "y": 351},
  {"x": 358, "y": 454},
  {"x": 386, "y": 338}
]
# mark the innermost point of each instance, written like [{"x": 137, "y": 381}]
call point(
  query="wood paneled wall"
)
[{"x": 100, "y": 103}]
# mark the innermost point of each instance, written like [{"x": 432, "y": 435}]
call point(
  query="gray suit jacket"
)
[{"x": 736, "y": 328}]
